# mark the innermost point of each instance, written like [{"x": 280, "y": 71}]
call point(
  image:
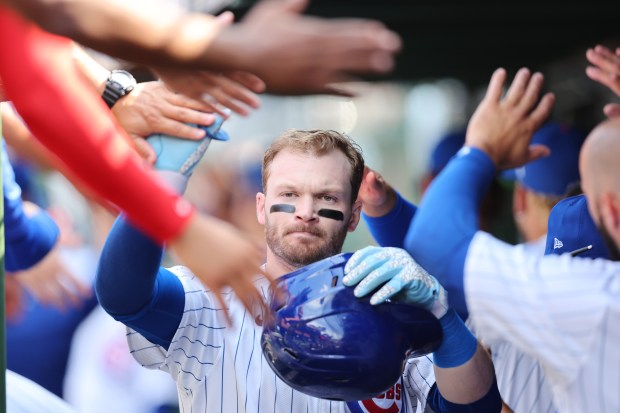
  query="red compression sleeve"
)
[{"x": 65, "y": 114}]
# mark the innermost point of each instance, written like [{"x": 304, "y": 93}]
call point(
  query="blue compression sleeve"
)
[
  {"x": 491, "y": 402},
  {"x": 447, "y": 220},
  {"x": 132, "y": 287},
  {"x": 390, "y": 230},
  {"x": 28, "y": 238}
]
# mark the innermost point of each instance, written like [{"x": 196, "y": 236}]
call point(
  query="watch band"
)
[{"x": 118, "y": 84}]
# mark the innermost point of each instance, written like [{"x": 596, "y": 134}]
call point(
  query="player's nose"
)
[{"x": 305, "y": 210}]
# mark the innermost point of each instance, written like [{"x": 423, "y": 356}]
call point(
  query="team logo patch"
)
[{"x": 388, "y": 402}]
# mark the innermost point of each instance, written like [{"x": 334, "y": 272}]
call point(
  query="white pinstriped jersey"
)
[
  {"x": 220, "y": 368},
  {"x": 563, "y": 311},
  {"x": 520, "y": 378}
]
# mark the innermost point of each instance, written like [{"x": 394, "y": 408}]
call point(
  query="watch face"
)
[{"x": 125, "y": 79}]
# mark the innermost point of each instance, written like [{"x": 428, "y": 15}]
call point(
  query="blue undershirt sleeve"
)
[
  {"x": 134, "y": 289},
  {"x": 390, "y": 229},
  {"x": 491, "y": 402},
  {"x": 447, "y": 220},
  {"x": 28, "y": 239}
]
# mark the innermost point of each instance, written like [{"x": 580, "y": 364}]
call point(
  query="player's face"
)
[
  {"x": 594, "y": 207},
  {"x": 308, "y": 184}
]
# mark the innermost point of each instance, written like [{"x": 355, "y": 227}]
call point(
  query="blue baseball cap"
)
[
  {"x": 571, "y": 229},
  {"x": 555, "y": 174},
  {"x": 445, "y": 149}
]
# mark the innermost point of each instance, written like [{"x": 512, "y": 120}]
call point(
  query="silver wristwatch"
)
[{"x": 118, "y": 84}]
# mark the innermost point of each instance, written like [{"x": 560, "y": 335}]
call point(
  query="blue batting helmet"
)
[{"x": 323, "y": 341}]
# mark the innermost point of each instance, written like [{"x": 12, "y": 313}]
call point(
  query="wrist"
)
[{"x": 459, "y": 344}]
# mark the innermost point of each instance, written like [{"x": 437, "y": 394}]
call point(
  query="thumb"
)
[
  {"x": 295, "y": 6},
  {"x": 144, "y": 149},
  {"x": 537, "y": 151},
  {"x": 225, "y": 19},
  {"x": 612, "y": 110}
]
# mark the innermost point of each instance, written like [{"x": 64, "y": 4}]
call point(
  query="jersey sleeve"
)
[
  {"x": 28, "y": 238},
  {"x": 390, "y": 230},
  {"x": 554, "y": 308},
  {"x": 447, "y": 219},
  {"x": 68, "y": 117},
  {"x": 198, "y": 341}
]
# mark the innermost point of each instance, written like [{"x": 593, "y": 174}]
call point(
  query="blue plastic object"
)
[
  {"x": 323, "y": 341},
  {"x": 182, "y": 155}
]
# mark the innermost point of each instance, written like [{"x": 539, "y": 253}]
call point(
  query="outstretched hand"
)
[
  {"x": 152, "y": 108},
  {"x": 377, "y": 196},
  {"x": 404, "y": 279},
  {"x": 503, "y": 127},
  {"x": 605, "y": 69},
  {"x": 298, "y": 54},
  {"x": 220, "y": 255}
]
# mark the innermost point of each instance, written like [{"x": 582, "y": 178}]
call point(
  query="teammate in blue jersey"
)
[
  {"x": 560, "y": 310},
  {"x": 310, "y": 183}
]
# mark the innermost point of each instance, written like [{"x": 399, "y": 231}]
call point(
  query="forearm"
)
[
  {"x": 447, "y": 220},
  {"x": 94, "y": 73},
  {"x": 72, "y": 121},
  {"x": 139, "y": 30},
  {"x": 131, "y": 286},
  {"x": 29, "y": 236},
  {"x": 464, "y": 374},
  {"x": 390, "y": 230},
  {"x": 468, "y": 382}
]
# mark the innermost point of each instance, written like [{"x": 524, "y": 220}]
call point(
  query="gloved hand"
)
[{"x": 404, "y": 279}]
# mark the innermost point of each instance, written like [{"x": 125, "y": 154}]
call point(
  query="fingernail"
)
[{"x": 198, "y": 133}]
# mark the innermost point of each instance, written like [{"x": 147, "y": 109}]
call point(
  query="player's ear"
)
[
  {"x": 355, "y": 215},
  {"x": 260, "y": 208}
]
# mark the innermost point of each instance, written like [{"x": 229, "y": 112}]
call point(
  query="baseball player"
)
[
  {"x": 176, "y": 325},
  {"x": 561, "y": 310}
]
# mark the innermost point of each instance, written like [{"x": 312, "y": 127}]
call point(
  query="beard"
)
[
  {"x": 614, "y": 252},
  {"x": 301, "y": 253}
]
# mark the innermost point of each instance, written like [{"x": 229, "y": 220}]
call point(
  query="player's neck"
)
[{"x": 276, "y": 266}]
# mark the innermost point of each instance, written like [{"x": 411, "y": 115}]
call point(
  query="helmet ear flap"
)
[{"x": 325, "y": 342}]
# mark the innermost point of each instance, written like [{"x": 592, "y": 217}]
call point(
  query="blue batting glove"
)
[{"x": 404, "y": 279}]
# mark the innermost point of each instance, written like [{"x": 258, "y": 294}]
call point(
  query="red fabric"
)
[{"x": 68, "y": 117}]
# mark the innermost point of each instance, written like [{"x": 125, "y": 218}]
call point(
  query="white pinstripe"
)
[
  {"x": 220, "y": 368},
  {"x": 563, "y": 311}
]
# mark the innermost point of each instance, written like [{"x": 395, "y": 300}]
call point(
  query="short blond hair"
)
[{"x": 318, "y": 142}]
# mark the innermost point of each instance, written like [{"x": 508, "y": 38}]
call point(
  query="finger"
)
[
  {"x": 180, "y": 130},
  {"x": 360, "y": 264},
  {"x": 391, "y": 288},
  {"x": 223, "y": 306},
  {"x": 179, "y": 99},
  {"x": 532, "y": 92},
  {"x": 226, "y": 18},
  {"x": 612, "y": 110},
  {"x": 609, "y": 79},
  {"x": 186, "y": 115},
  {"x": 229, "y": 91},
  {"x": 144, "y": 149},
  {"x": 374, "y": 279},
  {"x": 537, "y": 151},
  {"x": 542, "y": 111},
  {"x": 295, "y": 6},
  {"x": 249, "y": 80},
  {"x": 605, "y": 53},
  {"x": 496, "y": 85},
  {"x": 518, "y": 87}
]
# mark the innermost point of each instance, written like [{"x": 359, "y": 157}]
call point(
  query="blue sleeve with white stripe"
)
[
  {"x": 390, "y": 230},
  {"x": 134, "y": 289},
  {"x": 447, "y": 220}
]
